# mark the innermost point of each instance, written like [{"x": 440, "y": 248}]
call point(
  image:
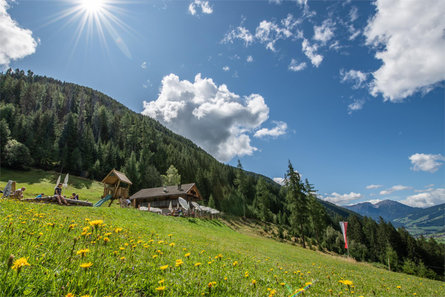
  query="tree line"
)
[{"x": 54, "y": 125}]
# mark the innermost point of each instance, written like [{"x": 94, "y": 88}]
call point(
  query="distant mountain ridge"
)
[{"x": 418, "y": 221}]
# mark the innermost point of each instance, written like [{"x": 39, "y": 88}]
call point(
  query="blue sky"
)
[{"x": 351, "y": 92}]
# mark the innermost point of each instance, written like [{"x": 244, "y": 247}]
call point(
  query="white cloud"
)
[
  {"x": 325, "y": 32},
  {"x": 356, "y": 77},
  {"x": 269, "y": 32},
  {"x": 239, "y": 33},
  {"x": 373, "y": 201},
  {"x": 426, "y": 199},
  {"x": 277, "y": 2},
  {"x": 353, "y": 13},
  {"x": 372, "y": 187},
  {"x": 395, "y": 189},
  {"x": 413, "y": 39},
  {"x": 200, "y": 4},
  {"x": 249, "y": 59},
  {"x": 295, "y": 66},
  {"x": 356, "y": 105},
  {"x": 210, "y": 115},
  {"x": 279, "y": 180},
  {"x": 342, "y": 198},
  {"x": 426, "y": 162},
  {"x": 311, "y": 52},
  {"x": 226, "y": 68},
  {"x": 15, "y": 42},
  {"x": 279, "y": 129},
  {"x": 144, "y": 65}
]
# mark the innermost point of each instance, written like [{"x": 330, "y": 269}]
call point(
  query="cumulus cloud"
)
[
  {"x": 356, "y": 77},
  {"x": 428, "y": 198},
  {"x": 373, "y": 187},
  {"x": 410, "y": 41},
  {"x": 356, "y": 105},
  {"x": 394, "y": 189},
  {"x": 342, "y": 198},
  {"x": 325, "y": 32},
  {"x": 426, "y": 162},
  {"x": 213, "y": 117},
  {"x": 279, "y": 129},
  {"x": 204, "y": 6},
  {"x": 226, "y": 68},
  {"x": 15, "y": 42},
  {"x": 144, "y": 65},
  {"x": 311, "y": 52},
  {"x": 249, "y": 59},
  {"x": 373, "y": 201},
  {"x": 295, "y": 66}
]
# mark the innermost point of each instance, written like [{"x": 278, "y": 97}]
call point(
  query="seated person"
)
[
  {"x": 74, "y": 196},
  {"x": 19, "y": 193},
  {"x": 58, "y": 195}
]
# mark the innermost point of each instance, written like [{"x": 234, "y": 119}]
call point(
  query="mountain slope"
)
[
  {"x": 425, "y": 221},
  {"x": 387, "y": 209}
]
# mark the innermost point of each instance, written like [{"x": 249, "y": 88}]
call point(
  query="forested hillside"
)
[{"x": 49, "y": 124}]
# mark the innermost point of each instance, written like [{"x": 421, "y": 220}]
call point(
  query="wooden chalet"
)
[{"x": 162, "y": 197}]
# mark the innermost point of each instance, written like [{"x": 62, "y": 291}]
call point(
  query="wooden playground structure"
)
[{"x": 116, "y": 186}]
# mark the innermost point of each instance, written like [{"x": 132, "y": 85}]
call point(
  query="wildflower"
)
[
  {"x": 86, "y": 229},
  {"x": 399, "y": 287},
  {"x": 161, "y": 281},
  {"x": 69, "y": 295},
  {"x": 172, "y": 244},
  {"x": 160, "y": 289},
  {"x": 72, "y": 226},
  {"x": 235, "y": 263},
  {"x": 225, "y": 278},
  {"x": 282, "y": 284},
  {"x": 106, "y": 239},
  {"x": 170, "y": 235},
  {"x": 253, "y": 282},
  {"x": 187, "y": 255},
  {"x": 85, "y": 296},
  {"x": 197, "y": 264},
  {"x": 154, "y": 256},
  {"x": 86, "y": 265},
  {"x": 19, "y": 263},
  {"x": 121, "y": 248},
  {"x": 246, "y": 274},
  {"x": 202, "y": 252},
  {"x": 107, "y": 234},
  {"x": 163, "y": 267},
  {"x": 82, "y": 252},
  {"x": 179, "y": 262},
  {"x": 117, "y": 230}
]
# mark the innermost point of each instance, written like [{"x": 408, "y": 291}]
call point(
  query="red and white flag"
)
[{"x": 344, "y": 228}]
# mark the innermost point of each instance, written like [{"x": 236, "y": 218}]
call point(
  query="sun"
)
[{"x": 92, "y": 6}]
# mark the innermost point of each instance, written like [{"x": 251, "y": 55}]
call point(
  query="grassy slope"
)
[
  {"x": 278, "y": 266},
  {"x": 38, "y": 181}
]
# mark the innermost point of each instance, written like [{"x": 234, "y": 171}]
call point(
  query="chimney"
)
[{"x": 179, "y": 187}]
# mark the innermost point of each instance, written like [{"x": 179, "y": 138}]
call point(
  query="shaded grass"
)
[{"x": 37, "y": 181}]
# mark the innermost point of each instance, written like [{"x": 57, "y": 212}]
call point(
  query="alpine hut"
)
[{"x": 165, "y": 197}]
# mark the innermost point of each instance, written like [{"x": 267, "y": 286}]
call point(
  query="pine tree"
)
[{"x": 296, "y": 203}]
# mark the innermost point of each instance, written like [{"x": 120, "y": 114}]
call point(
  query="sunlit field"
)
[{"x": 82, "y": 251}]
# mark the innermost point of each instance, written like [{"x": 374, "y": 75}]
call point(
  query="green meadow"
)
[{"x": 51, "y": 250}]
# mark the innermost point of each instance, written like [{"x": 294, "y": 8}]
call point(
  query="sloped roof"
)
[
  {"x": 159, "y": 192},
  {"x": 114, "y": 176}
]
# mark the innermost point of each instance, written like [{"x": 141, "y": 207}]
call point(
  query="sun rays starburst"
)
[{"x": 96, "y": 19}]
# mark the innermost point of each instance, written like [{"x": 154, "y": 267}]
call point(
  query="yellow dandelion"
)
[
  {"x": 253, "y": 282},
  {"x": 161, "y": 288},
  {"x": 161, "y": 281},
  {"x": 187, "y": 255},
  {"x": 86, "y": 265},
  {"x": 172, "y": 244},
  {"x": 399, "y": 287},
  {"x": 246, "y": 274},
  {"x": 82, "y": 252},
  {"x": 106, "y": 239},
  {"x": 122, "y": 258},
  {"x": 117, "y": 230},
  {"x": 197, "y": 264},
  {"x": 96, "y": 223},
  {"x": 69, "y": 295},
  {"x": 179, "y": 262},
  {"x": 19, "y": 263},
  {"x": 282, "y": 284},
  {"x": 235, "y": 263},
  {"x": 163, "y": 267}
]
